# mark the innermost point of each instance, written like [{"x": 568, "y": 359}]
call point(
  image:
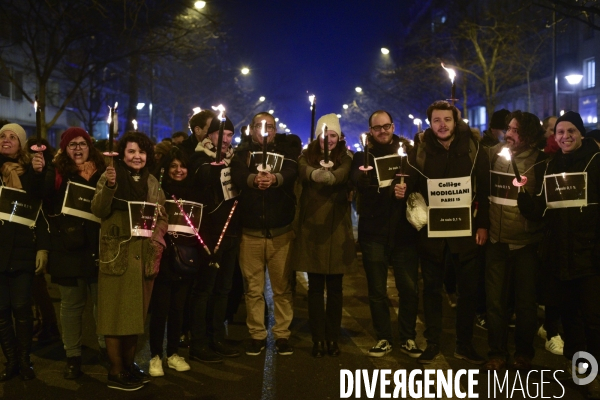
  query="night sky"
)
[{"x": 324, "y": 47}]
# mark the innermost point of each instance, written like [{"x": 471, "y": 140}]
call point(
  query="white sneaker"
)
[
  {"x": 542, "y": 332},
  {"x": 156, "y": 368},
  {"x": 178, "y": 363},
  {"x": 555, "y": 345},
  {"x": 380, "y": 349}
]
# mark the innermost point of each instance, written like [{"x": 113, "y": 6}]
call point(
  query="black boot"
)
[
  {"x": 8, "y": 341},
  {"x": 24, "y": 331},
  {"x": 73, "y": 368}
]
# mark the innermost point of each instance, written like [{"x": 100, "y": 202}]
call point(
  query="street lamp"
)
[
  {"x": 245, "y": 71},
  {"x": 261, "y": 98},
  {"x": 271, "y": 112},
  {"x": 140, "y": 106},
  {"x": 200, "y": 5},
  {"x": 358, "y": 89},
  {"x": 345, "y": 106},
  {"x": 385, "y": 51},
  {"x": 574, "y": 79},
  {"x": 196, "y": 110},
  {"x": 339, "y": 115}
]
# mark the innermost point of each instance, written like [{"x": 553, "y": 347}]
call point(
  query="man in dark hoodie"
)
[
  {"x": 450, "y": 169},
  {"x": 267, "y": 209},
  {"x": 386, "y": 238}
]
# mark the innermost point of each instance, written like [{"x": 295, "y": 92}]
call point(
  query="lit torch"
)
[
  {"x": 402, "y": 154},
  {"x": 265, "y": 137},
  {"x": 222, "y": 120},
  {"x": 451, "y": 75},
  {"x": 313, "y": 105},
  {"x": 365, "y": 142},
  {"x": 519, "y": 180},
  {"x": 38, "y": 147}
]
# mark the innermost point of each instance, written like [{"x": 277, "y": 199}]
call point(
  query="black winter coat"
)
[
  {"x": 571, "y": 247},
  {"x": 74, "y": 241},
  {"x": 452, "y": 163},
  {"x": 19, "y": 242},
  {"x": 382, "y": 218},
  {"x": 263, "y": 211}
]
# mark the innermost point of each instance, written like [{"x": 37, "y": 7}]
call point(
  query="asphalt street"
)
[{"x": 270, "y": 376}]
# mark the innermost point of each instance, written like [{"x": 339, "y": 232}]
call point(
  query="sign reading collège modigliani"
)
[
  {"x": 17, "y": 206},
  {"x": 502, "y": 190},
  {"x": 386, "y": 169},
  {"x": 78, "y": 201},
  {"x": 566, "y": 190},
  {"x": 449, "y": 209}
]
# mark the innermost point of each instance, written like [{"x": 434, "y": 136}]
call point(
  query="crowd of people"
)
[{"x": 499, "y": 234}]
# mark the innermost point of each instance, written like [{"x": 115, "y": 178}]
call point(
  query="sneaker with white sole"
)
[
  {"x": 542, "y": 332},
  {"x": 380, "y": 349},
  {"x": 410, "y": 348},
  {"x": 156, "y": 368},
  {"x": 178, "y": 363},
  {"x": 555, "y": 345}
]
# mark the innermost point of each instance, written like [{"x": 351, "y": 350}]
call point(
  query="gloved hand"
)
[
  {"x": 364, "y": 180},
  {"x": 323, "y": 176},
  {"x": 525, "y": 203},
  {"x": 41, "y": 260}
]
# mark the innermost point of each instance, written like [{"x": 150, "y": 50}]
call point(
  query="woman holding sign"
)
[
  {"x": 68, "y": 191},
  {"x": 571, "y": 248},
  {"x": 24, "y": 250},
  {"x": 129, "y": 202},
  {"x": 178, "y": 265},
  {"x": 324, "y": 245}
]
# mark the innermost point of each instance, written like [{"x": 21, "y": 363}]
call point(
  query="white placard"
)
[
  {"x": 17, "y": 206},
  {"x": 78, "y": 201}
]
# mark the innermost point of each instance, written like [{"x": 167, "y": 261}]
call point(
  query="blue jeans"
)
[
  {"x": 404, "y": 260},
  {"x": 467, "y": 275},
  {"x": 72, "y": 305}
]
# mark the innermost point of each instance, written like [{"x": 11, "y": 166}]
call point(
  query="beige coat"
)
[{"x": 128, "y": 264}]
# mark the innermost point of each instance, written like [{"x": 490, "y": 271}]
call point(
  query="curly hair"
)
[
  {"x": 66, "y": 166},
  {"x": 531, "y": 131},
  {"x": 174, "y": 154},
  {"x": 313, "y": 153},
  {"x": 142, "y": 141},
  {"x": 443, "y": 105}
]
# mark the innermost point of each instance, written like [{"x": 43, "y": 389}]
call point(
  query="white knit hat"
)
[
  {"x": 18, "y": 130},
  {"x": 332, "y": 122}
]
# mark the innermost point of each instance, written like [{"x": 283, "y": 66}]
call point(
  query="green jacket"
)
[{"x": 507, "y": 225}]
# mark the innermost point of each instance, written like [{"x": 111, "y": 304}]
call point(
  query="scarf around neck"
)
[
  {"x": 207, "y": 146},
  {"x": 131, "y": 186},
  {"x": 10, "y": 174}
]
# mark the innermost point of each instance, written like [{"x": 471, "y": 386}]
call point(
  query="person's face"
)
[
  {"x": 382, "y": 128},
  {"x": 177, "y": 171},
  {"x": 227, "y": 138},
  {"x": 550, "y": 128},
  {"x": 568, "y": 137},
  {"x": 134, "y": 158},
  {"x": 201, "y": 132},
  {"x": 332, "y": 140},
  {"x": 78, "y": 150},
  {"x": 270, "y": 128},
  {"x": 512, "y": 138},
  {"x": 9, "y": 144},
  {"x": 177, "y": 140},
  {"x": 443, "y": 124}
]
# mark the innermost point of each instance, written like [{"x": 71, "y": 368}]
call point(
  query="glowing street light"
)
[
  {"x": 358, "y": 89},
  {"x": 271, "y": 112},
  {"x": 245, "y": 71},
  {"x": 345, "y": 106},
  {"x": 262, "y": 98},
  {"x": 385, "y": 51},
  {"x": 574, "y": 79},
  {"x": 196, "y": 110},
  {"x": 200, "y": 5},
  {"x": 276, "y": 119},
  {"x": 140, "y": 106},
  {"x": 339, "y": 115}
]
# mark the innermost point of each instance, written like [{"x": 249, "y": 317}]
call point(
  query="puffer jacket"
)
[{"x": 452, "y": 163}]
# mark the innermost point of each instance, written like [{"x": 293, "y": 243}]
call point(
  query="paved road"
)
[{"x": 270, "y": 376}]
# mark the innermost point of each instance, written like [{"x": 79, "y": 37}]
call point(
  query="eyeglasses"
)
[
  {"x": 268, "y": 127},
  {"x": 378, "y": 128},
  {"x": 74, "y": 145}
]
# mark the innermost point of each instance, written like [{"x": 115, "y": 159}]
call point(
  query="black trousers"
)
[{"x": 325, "y": 321}]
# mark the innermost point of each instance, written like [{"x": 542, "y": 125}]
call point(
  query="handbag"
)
[{"x": 184, "y": 259}]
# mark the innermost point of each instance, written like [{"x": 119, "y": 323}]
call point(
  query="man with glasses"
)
[
  {"x": 385, "y": 238},
  {"x": 267, "y": 207}
]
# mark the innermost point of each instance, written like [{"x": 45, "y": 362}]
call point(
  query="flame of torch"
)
[
  {"x": 451, "y": 73},
  {"x": 507, "y": 154},
  {"x": 221, "y": 110},
  {"x": 135, "y": 124}
]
